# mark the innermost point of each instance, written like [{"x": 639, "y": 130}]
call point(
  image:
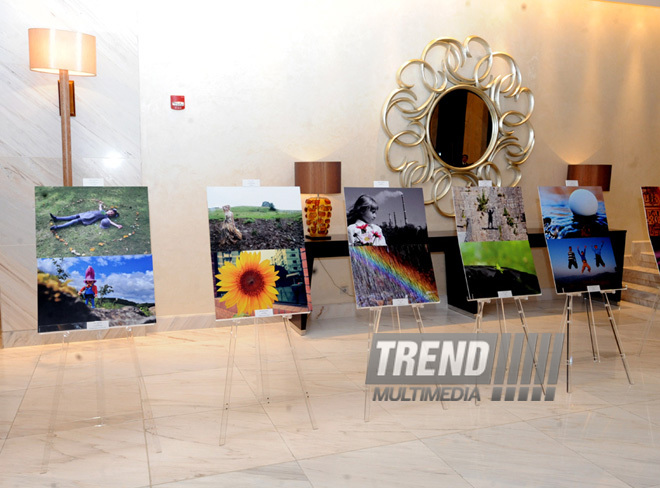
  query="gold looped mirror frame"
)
[{"x": 459, "y": 114}]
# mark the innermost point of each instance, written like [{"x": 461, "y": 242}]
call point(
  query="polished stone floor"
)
[{"x": 605, "y": 433}]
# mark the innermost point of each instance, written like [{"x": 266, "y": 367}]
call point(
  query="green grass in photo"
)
[
  {"x": 250, "y": 212},
  {"x": 91, "y": 240},
  {"x": 500, "y": 254}
]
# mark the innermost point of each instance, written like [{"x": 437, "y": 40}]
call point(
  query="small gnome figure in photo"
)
[{"x": 89, "y": 291}]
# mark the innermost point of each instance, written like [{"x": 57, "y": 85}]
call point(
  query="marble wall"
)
[
  {"x": 270, "y": 83},
  {"x": 105, "y": 134}
]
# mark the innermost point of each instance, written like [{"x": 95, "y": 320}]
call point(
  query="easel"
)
[
  {"x": 568, "y": 309},
  {"x": 262, "y": 378},
  {"x": 148, "y": 423},
  {"x": 374, "y": 324},
  {"x": 531, "y": 344}
]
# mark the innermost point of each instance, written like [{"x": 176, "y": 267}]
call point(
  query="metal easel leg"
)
[
  {"x": 615, "y": 331},
  {"x": 57, "y": 395},
  {"x": 148, "y": 422},
  {"x": 568, "y": 308},
  {"x": 374, "y": 323},
  {"x": 233, "y": 332},
  {"x": 531, "y": 349},
  {"x": 592, "y": 330},
  {"x": 303, "y": 387}
]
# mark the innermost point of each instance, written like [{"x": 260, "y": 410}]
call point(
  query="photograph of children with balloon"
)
[{"x": 577, "y": 236}]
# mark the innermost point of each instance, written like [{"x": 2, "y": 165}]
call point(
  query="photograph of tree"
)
[
  {"x": 248, "y": 281},
  {"x": 492, "y": 235},
  {"x": 582, "y": 262},
  {"x": 385, "y": 216},
  {"x": 573, "y": 211},
  {"x": 382, "y": 274},
  {"x": 255, "y": 218},
  {"x": 489, "y": 214},
  {"x": 651, "y": 196},
  {"x": 91, "y": 221},
  {"x": 94, "y": 264}
]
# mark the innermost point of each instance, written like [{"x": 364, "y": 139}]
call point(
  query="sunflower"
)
[{"x": 249, "y": 284}]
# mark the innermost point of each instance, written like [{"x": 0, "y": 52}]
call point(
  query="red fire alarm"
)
[{"x": 178, "y": 102}]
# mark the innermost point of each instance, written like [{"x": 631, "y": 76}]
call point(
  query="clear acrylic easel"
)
[
  {"x": 262, "y": 377},
  {"x": 568, "y": 310},
  {"x": 374, "y": 324},
  {"x": 148, "y": 423},
  {"x": 656, "y": 303},
  {"x": 501, "y": 317}
]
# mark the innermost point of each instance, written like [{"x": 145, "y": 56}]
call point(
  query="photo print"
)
[
  {"x": 492, "y": 235},
  {"x": 91, "y": 221},
  {"x": 572, "y": 211},
  {"x": 489, "y": 214},
  {"x": 651, "y": 197},
  {"x": 95, "y": 292},
  {"x": 255, "y": 218},
  {"x": 250, "y": 281},
  {"x": 94, "y": 263},
  {"x": 385, "y": 216},
  {"x": 383, "y": 274},
  {"x": 582, "y": 262}
]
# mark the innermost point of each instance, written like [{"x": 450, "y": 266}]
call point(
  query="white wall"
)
[{"x": 270, "y": 83}]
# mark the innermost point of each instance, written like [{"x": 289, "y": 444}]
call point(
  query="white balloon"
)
[{"x": 582, "y": 202}]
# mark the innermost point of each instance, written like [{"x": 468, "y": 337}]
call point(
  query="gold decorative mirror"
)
[{"x": 460, "y": 113}]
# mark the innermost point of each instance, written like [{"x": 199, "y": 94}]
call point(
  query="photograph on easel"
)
[
  {"x": 651, "y": 196},
  {"x": 577, "y": 236},
  {"x": 94, "y": 263},
  {"x": 387, "y": 237},
  {"x": 385, "y": 216},
  {"x": 258, "y": 258},
  {"x": 492, "y": 236},
  {"x": 254, "y": 218},
  {"x": 391, "y": 275},
  {"x": 573, "y": 211}
]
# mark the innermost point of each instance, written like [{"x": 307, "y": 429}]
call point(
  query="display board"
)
[
  {"x": 492, "y": 235},
  {"x": 94, "y": 262},
  {"x": 651, "y": 196},
  {"x": 387, "y": 237},
  {"x": 577, "y": 236},
  {"x": 258, "y": 254}
]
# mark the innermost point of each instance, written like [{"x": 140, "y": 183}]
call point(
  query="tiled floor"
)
[{"x": 605, "y": 433}]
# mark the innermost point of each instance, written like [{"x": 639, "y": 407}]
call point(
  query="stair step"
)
[
  {"x": 641, "y": 246},
  {"x": 640, "y": 294},
  {"x": 641, "y": 275},
  {"x": 647, "y": 259}
]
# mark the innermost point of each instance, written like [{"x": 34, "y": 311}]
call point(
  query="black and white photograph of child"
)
[{"x": 385, "y": 216}]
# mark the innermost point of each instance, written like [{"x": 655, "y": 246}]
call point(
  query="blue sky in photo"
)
[{"x": 130, "y": 276}]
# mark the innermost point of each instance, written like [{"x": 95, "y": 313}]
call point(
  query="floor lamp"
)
[{"x": 64, "y": 53}]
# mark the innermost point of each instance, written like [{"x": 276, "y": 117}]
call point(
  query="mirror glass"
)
[{"x": 460, "y": 128}]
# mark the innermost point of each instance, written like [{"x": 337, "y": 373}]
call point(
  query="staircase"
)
[{"x": 640, "y": 275}]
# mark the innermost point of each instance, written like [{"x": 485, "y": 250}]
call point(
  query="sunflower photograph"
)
[{"x": 248, "y": 281}]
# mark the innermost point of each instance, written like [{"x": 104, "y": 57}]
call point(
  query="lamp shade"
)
[
  {"x": 591, "y": 174},
  {"x": 52, "y": 50},
  {"x": 318, "y": 177}
]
